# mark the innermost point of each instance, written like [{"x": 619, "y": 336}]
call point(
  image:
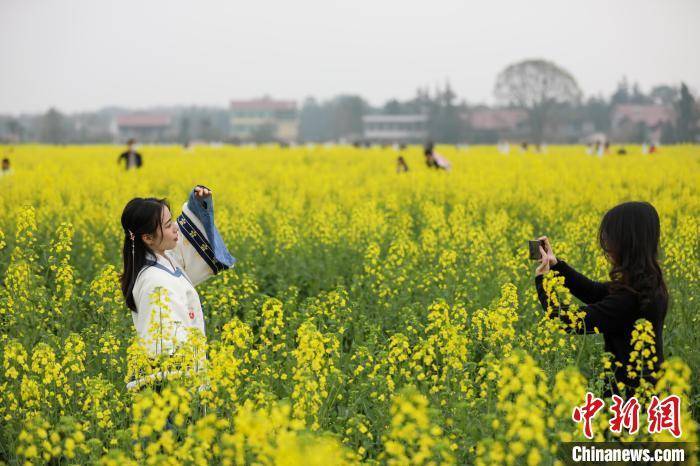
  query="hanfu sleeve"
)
[{"x": 200, "y": 251}]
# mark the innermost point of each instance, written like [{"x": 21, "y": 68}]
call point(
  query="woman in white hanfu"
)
[{"x": 164, "y": 259}]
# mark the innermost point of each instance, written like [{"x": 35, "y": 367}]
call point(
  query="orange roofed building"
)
[
  {"x": 631, "y": 122},
  {"x": 142, "y": 127},
  {"x": 490, "y": 125}
]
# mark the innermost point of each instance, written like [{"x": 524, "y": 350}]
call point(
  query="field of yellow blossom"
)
[{"x": 372, "y": 317}]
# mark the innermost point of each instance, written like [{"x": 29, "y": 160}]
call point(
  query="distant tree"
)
[
  {"x": 15, "y": 128},
  {"x": 621, "y": 94},
  {"x": 536, "y": 86},
  {"x": 347, "y": 113},
  {"x": 314, "y": 121},
  {"x": 687, "y": 122},
  {"x": 597, "y": 110},
  {"x": 422, "y": 103},
  {"x": 393, "y": 107},
  {"x": 664, "y": 94},
  {"x": 638, "y": 96},
  {"x": 53, "y": 127},
  {"x": 668, "y": 133},
  {"x": 207, "y": 130},
  {"x": 446, "y": 124},
  {"x": 185, "y": 130}
]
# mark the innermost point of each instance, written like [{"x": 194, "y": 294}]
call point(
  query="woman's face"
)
[{"x": 166, "y": 236}]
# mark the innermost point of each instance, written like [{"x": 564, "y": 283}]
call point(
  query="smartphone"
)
[{"x": 534, "y": 246}]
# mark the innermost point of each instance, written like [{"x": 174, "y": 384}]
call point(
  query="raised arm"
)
[
  {"x": 581, "y": 287},
  {"x": 200, "y": 251},
  {"x": 613, "y": 313}
]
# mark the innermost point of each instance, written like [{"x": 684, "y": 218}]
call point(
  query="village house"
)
[
  {"x": 142, "y": 127},
  {"x": 388, "y": 129},
  {"x": 264, "y": 119}
]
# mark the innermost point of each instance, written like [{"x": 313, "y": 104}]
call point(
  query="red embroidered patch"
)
[{"x": 191, "y": 314}]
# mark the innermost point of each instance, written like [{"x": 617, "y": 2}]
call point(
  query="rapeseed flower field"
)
[{"x": 372, "y": 316}]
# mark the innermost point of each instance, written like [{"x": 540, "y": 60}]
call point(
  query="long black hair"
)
[
  {"x": 629, "y": 234},
  {"x": 140, "y": 216}
]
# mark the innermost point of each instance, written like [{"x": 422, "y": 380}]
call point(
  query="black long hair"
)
[
  {"x": 140, "y": 216},
  {"x": 629, "y": 234}
]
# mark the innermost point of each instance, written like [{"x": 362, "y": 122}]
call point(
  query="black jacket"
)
[
  {"x": 613, "y": 313},
  {"x": 138, "y": 160}
]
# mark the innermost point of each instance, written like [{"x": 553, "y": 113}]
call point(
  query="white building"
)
[{"x": 395, "y": 128}]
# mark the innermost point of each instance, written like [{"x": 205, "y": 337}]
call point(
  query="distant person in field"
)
[
  {"x": 401, "y": 165},
  {"x": 428, "y": 153},
  {"x": 433, "y": 159},
  {"x": 441, "y": 161},
  {"x": 504, "y": 147},
  {"x": 131, "y": 158},
  {"x": 430, "y": 161},
  {"x": 600, "y": 148},
  {"x": 629, "y": 236},
  {"x": 6, "y": 169}
]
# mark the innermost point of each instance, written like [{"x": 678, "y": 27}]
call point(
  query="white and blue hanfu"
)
[{"x": 199, "y": 254}]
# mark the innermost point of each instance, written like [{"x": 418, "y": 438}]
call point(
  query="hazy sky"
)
[{"x": 84, "y": 54}]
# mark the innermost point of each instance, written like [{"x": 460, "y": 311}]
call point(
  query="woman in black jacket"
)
[{"x": 629, "y": 236}]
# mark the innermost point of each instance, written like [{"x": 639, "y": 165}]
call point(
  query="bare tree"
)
[{"x": 537, "y": 86}]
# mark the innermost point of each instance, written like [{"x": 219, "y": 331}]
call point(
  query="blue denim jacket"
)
[{"x": 203, "y": 208}]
